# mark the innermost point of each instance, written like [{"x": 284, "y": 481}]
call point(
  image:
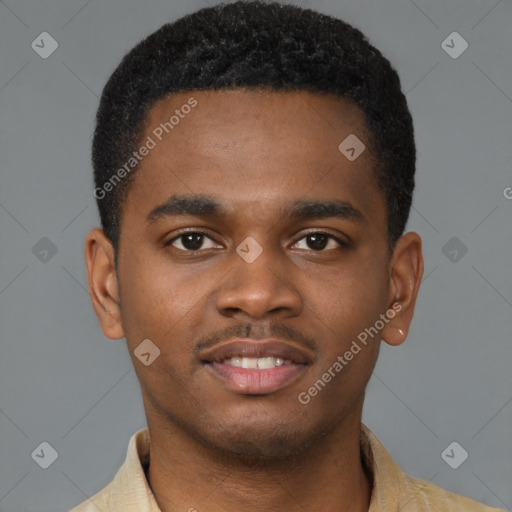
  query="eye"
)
[
  {"x": 192, "y": 241},
  {"x": 320, "y": 242}
]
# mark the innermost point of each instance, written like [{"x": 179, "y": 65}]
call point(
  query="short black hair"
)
[{"x": 264, "y": 45}]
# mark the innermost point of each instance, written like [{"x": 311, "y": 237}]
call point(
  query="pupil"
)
[
  {"x": 317, "y": 241},
  {"x": 193, "y": 241}
]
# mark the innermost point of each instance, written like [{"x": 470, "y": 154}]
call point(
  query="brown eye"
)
[
  {"x": 319, "y": 242},
  {"x": 192, "y": 241}
]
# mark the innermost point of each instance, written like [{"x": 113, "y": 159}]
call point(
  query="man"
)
[{"x": 254, "y": 169}]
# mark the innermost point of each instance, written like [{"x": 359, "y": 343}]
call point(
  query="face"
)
[{"x": 253, "y": 254}]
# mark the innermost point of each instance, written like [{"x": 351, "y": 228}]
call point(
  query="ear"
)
[
  {"x": 103, "y": 285},
  {"x": 406, "y": 271}
]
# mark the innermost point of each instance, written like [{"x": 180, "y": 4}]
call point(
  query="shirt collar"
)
[{"x": 131, "y": 486}]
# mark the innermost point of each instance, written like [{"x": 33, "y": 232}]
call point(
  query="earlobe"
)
[
  {"x": 393, "y": 334},
  {"x": 405, "y": 278},
  {"x": 103, "y": 285}
]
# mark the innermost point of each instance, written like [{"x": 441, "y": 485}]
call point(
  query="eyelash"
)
[{"x": 342, "y": 243}]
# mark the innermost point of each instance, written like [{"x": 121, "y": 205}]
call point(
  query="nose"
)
[{"x": 258, "y": 289}]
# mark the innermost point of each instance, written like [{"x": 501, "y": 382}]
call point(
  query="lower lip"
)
[{"x": 256, "y": 382}]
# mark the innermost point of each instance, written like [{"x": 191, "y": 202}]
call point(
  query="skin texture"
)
[{"x": 211, "y": 447}]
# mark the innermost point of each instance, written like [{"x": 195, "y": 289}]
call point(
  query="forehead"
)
[
  {"x": 310, "y": 117},
  {"x": 252, "y": 148}
]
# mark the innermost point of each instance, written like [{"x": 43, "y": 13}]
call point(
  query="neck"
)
[{"x": 327, "y": 476}]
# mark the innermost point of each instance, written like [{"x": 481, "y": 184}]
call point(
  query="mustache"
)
[{"x": 255, "y": 332}]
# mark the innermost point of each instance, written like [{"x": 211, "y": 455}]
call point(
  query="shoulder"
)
[
  {"x": 421, "y": 496},
  {"x": 393, "y": 489},
  {"x": 129, "y": 490},
  {"x": 100, "y": 501}
]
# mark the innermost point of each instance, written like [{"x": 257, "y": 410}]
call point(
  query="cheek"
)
[
  {"x": 157, "y": 302},
  {"x": 348, "y": 355},
  {"x": 343, "y": 305},
  {"x": 349, "y": 298}
]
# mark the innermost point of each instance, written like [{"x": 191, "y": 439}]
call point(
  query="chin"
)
[
  {"x": 251, "y": 445},
  {"x": 255, "y": 439}
]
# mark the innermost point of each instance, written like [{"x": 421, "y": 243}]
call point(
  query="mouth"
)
[
  {"x": 257, "y": 363},
  {"x": 253, "y": 367}
]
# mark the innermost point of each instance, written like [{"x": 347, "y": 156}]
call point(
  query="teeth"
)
[
  {"x": 256, "y": 363},
  {"x": 266, "y": 362},
  {"x": 236, "y": 361},
  {"x": 249, "y": 362}
]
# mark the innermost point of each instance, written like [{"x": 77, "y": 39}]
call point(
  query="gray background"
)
[{"x": 62, "y": 382}]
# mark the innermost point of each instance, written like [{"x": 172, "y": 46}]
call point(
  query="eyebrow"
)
[
  {"x": 314, "y": 209},
  {"x": 199, "y": 206},
  {"x": 204, "y": 206}
]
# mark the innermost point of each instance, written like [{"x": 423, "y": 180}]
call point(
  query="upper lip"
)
[{"x": 257, "y": 348}]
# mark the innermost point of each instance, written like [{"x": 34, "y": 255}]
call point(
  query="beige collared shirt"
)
[{"x": 392, "y": 491}]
